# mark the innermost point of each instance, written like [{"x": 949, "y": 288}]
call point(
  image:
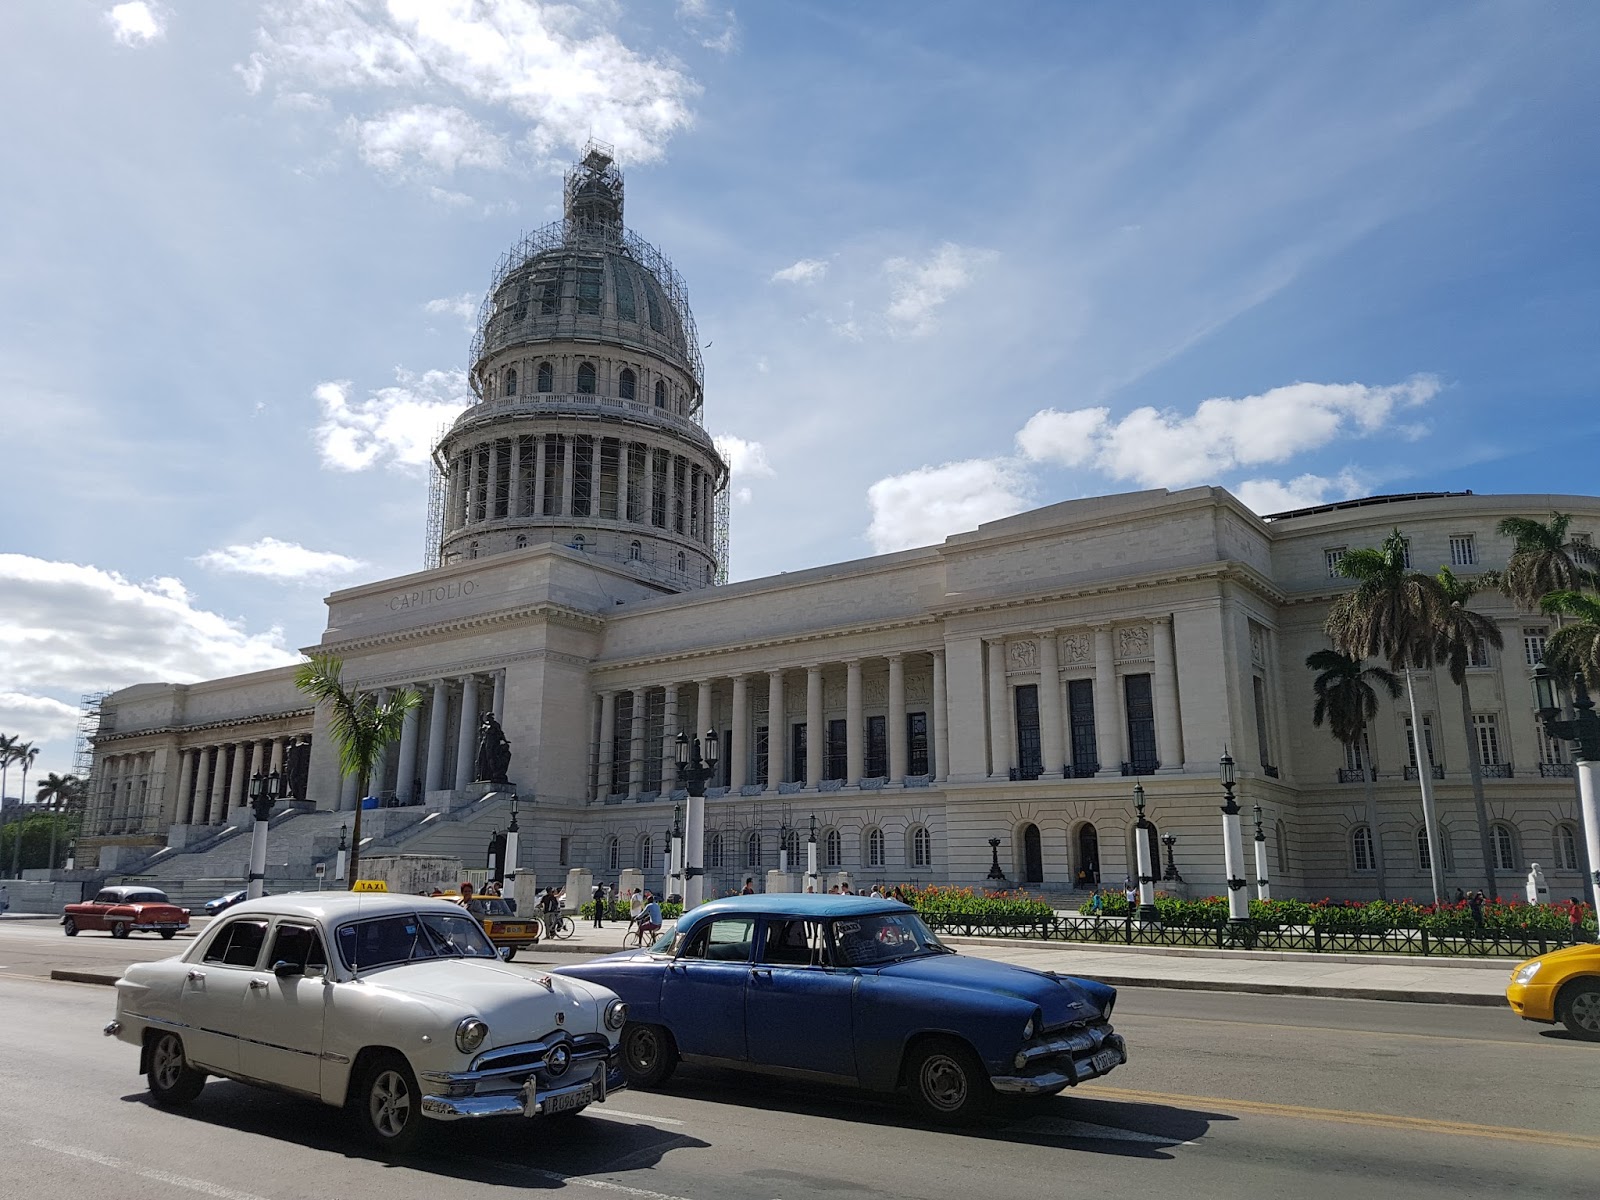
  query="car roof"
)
[
  {"x": 791, "y": 904},
  {"x": 339, "y": 906}
]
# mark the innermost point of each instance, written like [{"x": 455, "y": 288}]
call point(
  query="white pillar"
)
[
  {"x": 349, "y": 793},
  {"x": 647, "y": 513},
  {"x": 777, "y": 732},
  {"x": 607, "y": 747},
  {"x": 1233, "y": 864},
  {"x": 815, "y": 741},
  {"x": 1588, "y": 774},
  {"x": 437, "y": 715},
  {"x": 184, "y": 811},
  {"x": 274, "y": 756},
  {"x": 236, "y": 776},
  {"x": 1263, "y": 881},
  {"x": 567, "y": 459},
  {"x": 538, "y": 474},
  {"x": 406, "y": 773},
  {"x": 1164, "y": 683},
  {"x": 467, "y": 732},
  {"x": 740, "y": 751},
  {"x": 491, "y": 492},
  {"x": 941, "y": 730},
  {"x": 636, "y": 745},
  {"x": 1050, "y": 706},
  {"x": 897, "y": 720},
  {"x": 999, "y": 710},
  {"x": 855, "y": 757},
  {"x": 380, "y": 769},
  {"x": 514, "y": 491},
  {"x": 1430, "y": 819},
  {"x": 1141, "y": 853},
  {"x": 1108, "y": 723},
  {"x": 216, "y": 809},
  {"x": 498, "y": 705},
  {"x": 705, "y": 714},
  {"x": 670, "y": 728}
]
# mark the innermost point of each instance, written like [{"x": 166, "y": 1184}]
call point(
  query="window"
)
[
  {"x": 1503, "y": 846},
  {"x": 1566, "y": 847},
  {"x": 683, "y": 563},
  {"x": 1551, "y": 750},
  {"x": 586, "y": 379},
  {"x": 1427, "y": 738},
  {"x": 589, "y": 286},
  {"x": 1424, "y": 859},
  {"x": 917, "y": 743},
  {"x": 1478, "y": 654},
  {"x": 836, "y": 754},
  {"x": 1259, "y": 689},
  {"x": 874, "y": 847},
  {"x": 621, "y": 744},
  {"x": 472, "y": 550},
  {"x": 238, "y": 945},
  {"x": 1486, "y": 727},
  {"x": 546, "y": 381},
  {"x": 1533, "y": 639},
  {"x": 921, "y": 847},
  {"x": 1141, "y": 723},
  {"x": 622, "y": 279},
  {"x": 301, "y": 945},
  {"x": 752, "y": 849},
  {"x": 832, "y": 849},
  {"x": 877, "y": 758},
  {"x": 635, "y": 551},
  {"x": 654, "y": 305},
  {"x": 792, "y": 943},
  {"x": 1405, "y": 553},
  {"x": 511, "y": 381},
  {"x": 1280, "y": 835},
  {"x": 547, "y": 285},
  {"x": 726, "y": 940},
  {"x": 1331, "y": 558},
  {"x": 565, "y": 851},
  {"x": 627, "y": 383},
  {"x": 797, "y": 751},
  {"x": 661, "y": 394},
  {"x": 791, "y": 844},
  {"x": 645, "y": 848},
  {"x": 1357, "y": 754},
  {"x": 1462, "y": 552},
  {"x": 613, "y": 854},
  {"x": 1361, "y": 856},
  {"x": 522, "y": 541},
  {"x": 1025, "y": 700},
  {"x": 714, "y": 851},
  {"x": 580, "y": 543},
  {"x": 1080, "y": 714}
]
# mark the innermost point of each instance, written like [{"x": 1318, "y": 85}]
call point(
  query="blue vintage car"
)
[{"x": 854, "y": 990}]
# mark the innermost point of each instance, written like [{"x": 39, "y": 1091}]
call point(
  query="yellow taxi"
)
[
  {"x": 505, "y": 929},
  {"x": 1563, "y": 985}
]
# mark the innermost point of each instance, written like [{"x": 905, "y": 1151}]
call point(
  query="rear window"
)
[{"x": 145, "y": 896}]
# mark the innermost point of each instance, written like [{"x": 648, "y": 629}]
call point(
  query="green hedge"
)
[
  {"x": 1353, "y": 916},
  {"x": 617, "y": 910},
  {"x": 999, "y": 907}
]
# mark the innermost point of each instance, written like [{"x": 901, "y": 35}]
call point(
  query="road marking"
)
[
  {"x": 632, "y": 1116},
  {"x": 166, "y": 1177},
  {"x": 1063, "y": 1127},
  {"x": 1379, "y": 1033},
  {"x": 1540, "y": 1137},
  {"x": 602, "y": 1185}
]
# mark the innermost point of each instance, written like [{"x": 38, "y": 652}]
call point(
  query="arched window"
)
[
  {"x": 683, "y": 563},
  {"x": 661, "y": 394},
  {"x": 1424, "y": 859},
  {"x": 1281, "y": 836},
  {"x": 752, "y": 849},
  {"x": 1566, "y": 847},
  {"x": 522, "y": 541},
  {"x": 626, "y": 383},
  {"x": 832, "y": 849},
  {"x": 1503, "y": 845},
  {"x": 714, "y": 851},
  {"x": 547, "y": 378},
  {"x": 511, "y": 381},
  {"x": 580, "y": 543},
  {"x": 921, "y": 847},
  {"x": 635, "y": 551},
  {"x": 874, "y": 853},
  {"x": 472, "y": 550},
  {"x": 644, "y": 854},
  {"x": 1361, "y": 856},
  {"x": 791, "y": 843},
  {"x": 586, "y": 379},
  {"x": 613, "y": 853}
]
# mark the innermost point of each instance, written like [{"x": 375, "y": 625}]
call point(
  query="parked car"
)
[
  {"x": 1563, "y": 985},
  {"x": 224, "y": 902},
  {"x": 859, "y": 991},
  {"x": 506, "y": 930},
  {"x": 395, "y": 1005},
  {"x": 125, "y": 910}
]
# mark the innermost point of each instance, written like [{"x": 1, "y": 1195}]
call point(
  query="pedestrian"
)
[
  {"x": 1082, "y": 878},
  {"x": 1460, "y": 895},
  {"x": 1130, "y": 890},
  {"x": 599, "y": 905},
  {"x": 749, "y": 888},
  {"x": 5, "y": 898},
  {"x": 1575, "y": 916},
  {"x": 1097, "y": 903},
  {"x": 635, "y": 904},
  {"x": 466, "y": 893},
  {"x": 1475, "y": 906}
]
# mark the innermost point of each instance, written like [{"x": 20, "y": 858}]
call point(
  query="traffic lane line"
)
[
  {"x": 1362, "y": 1033},
  {"x": 1539, "y": 1137},
  {"x": 203, "y": 1186}
]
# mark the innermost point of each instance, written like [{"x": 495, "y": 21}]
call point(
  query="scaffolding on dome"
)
[
  {"x": 720, "y": 535},
  {"x": 433, "y": 538},
  {"x": 88, "y": 726}
]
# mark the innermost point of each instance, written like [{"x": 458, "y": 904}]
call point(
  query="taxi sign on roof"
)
[{"x": 369, "y": 885}]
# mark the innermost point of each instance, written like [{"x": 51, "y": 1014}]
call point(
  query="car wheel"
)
[
  {"x": 168, "y": 934},
  {"x": 1579, "y": 1009},
  {"x": 69, "y": 927},
  {"x": 388, "y": 1104},
  {"x": 172, "y": 1080},
  {"x": 649, "y": 1055},
  {"x": 947, "y": 1082},
  {"x": 119, "y": 929},
  {"x": 510, "y": 952}
]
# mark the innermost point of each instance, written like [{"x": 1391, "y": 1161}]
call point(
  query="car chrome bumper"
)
[
  {"x": 525, "y": 1102},
  {"x": 1108, "y": 1053},
  {"x": 112, "y": 1028}
]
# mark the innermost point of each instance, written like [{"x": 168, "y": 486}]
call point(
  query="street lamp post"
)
[
  {"x": 675, "y": 882},
  {"x": 1170, "y": 875},
  {"x": 1233, "y": 849},
  {"x": 783, "y": 850},
  {"x": 265, "y": 791},
  {"x": 1148, "y": 913},
  {"x": 994, "y": 865},
  {"x": 1583, "y": 731},
  {"x": 811, "y": 855},
  {"x": 344, "y": 850},
  {"x": 1263, "y": 884},
  {"x": 693, "y": 772},
  {"x": 509, "y": 867}
]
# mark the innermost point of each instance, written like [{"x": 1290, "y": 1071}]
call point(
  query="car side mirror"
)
[{"x": 284, "y": 969}]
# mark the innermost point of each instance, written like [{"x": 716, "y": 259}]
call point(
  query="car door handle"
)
[
  {"x": 195, "y": 976},
  {"x": 760, "y": 973},
  {"x": 258, "y": 985}
]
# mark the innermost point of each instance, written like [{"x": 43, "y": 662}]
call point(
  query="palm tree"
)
[
  {"x": 59, "y": 792},
  {"x": 1392, "y": 613},
  {"x": 1459, "y": 633},
  {"x": 24, "y": 753},
  {"x": 1574, "y": 649},
  {"x": 1544, "y": 561},
  {"x": 1348, "y": 702},
  {"x": 8, "y": 751},
  {"x": 361, "y": 727}
]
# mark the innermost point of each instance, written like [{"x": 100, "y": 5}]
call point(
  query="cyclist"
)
[{"x": 649, "y": 919}]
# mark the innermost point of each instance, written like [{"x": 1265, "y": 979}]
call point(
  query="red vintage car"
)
[{"x": 125, "y": 910}]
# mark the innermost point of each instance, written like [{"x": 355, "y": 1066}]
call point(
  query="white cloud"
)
[
  {"x": 463, "y": 307},
  {"x": 274, "y": 559},
  {"x": 556, "y": 70},
  {"x": 807, "y": 270},
  {"x": 701, "y": 19},
  {"x": 137, "y": 23},
  {"x": 1170, "y": 449},
  {"x": 926, "y": 505},
  {"x": 1276, "y": 495},
  {"x": 427, "y": 136},
  {"x": 69, "y": 627},
  {"x": 919, "y": 289},
  {"x": 395, "y": 425},
  {"x": 37, "y": 718},
  {"x": 743, "y": 457}
]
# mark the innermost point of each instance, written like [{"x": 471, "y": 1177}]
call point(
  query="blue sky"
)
[{"x": 948, "y": 261}]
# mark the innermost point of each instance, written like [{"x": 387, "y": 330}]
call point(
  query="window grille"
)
[
  {"x": 1566, "y": 848},
  {"x": 1427, "y": 740},
  {"x": 1361, "y": 856},
  {"x": 1025, "y": 700},
  {"x": 917, "y": 743},
  {"x": 661, "y": 394},
  {"x": 1080, "y": 711},
  {"x": 586, "y": 379},
  {"x": 837, "y": 751},
  {"x": 627, "y": 383},
  {"x": 1503, "y": 846},
  {"x": 875, "y": 848},
  {"x": 833, "y": 848},
  {"x": 1141, "y": 714},
  {"x": 1487, "y": 728},
  {"x": 921, "y": 847},
  {"x": 621, "y": 742},
  {"x": 1331, "y": 559},
  {"x": 511, "y": 382},
  {"x": 546, "y": 380},
  {"x": 1533, "y": 640},
  {"x": 877, "y": 757},
  {"x": 1463, "y": 553}
]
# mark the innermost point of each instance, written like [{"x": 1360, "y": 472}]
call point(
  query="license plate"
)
[
  {"x": 513, "y": 929},
  {"x": 569, "y": 1100},
  {"x": 1106, "y": 1059}
]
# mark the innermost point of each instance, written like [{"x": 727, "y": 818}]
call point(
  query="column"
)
[
  {"x": 492, "y": 489},
  {"x": 941, "y": 730},
  {"x": 622, "y": 478},
  {"x": 183, "y": 811},
  {"x": 380, "y": 769},
  {"x": 349, "y": 793},
  {"x": 538, "y": 474},
  {"x": 499, "y": 702},
  {"x": 433, "y": 779},
  {"x": 405, "y": 776},
  {"x": 777, "y": 732},
  {"x": 670, "y": 728},
  {"x": 897, "y": 719},
  {"x": 739, "y": 754},
  {"x": 273, "y": 755},
  {"x": 452, "y": 497},
  {"x": 854, "y": 750},
  {"x": 1164, "y": 685},
  {"x": 236, "y": 780},
  {"x": 467, "y": 732},
  {"x": 705, "y": 714},
  {"x": 1050, "y": 706},
  {"x": 674, "y": 501},
  {"x": 1110, "y": 731},
  {"x": 514, "y": 492},
  {"x": 648, "y": 513},
  {"x": 608, "y": 739},
  {"x": 636, "y": 743},
  {"x": 999, "y": 710},
  {"x": 594, "y": 475},
  {"x": 471, "y": 512},
  {"x": 815, "y": 737},
  {"x": 566, "y": 475},
  {"x": 216, "y": 805}
]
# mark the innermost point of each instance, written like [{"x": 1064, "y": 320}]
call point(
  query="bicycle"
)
[
  {"x": 635, "y": 937},
  {"x": 559, "y": 926}
]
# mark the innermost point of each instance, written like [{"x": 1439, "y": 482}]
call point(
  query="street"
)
[{"x": 1224, "y": 1095}]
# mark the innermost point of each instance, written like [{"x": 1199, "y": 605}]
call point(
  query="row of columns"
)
[
  {"x": 739, "y": 751},
  {"x": 424, "y": 762},
  {"x": 121, "y": 805},
  {"x": 211, "y": 780},
  {"x": 564, "y": 381}
]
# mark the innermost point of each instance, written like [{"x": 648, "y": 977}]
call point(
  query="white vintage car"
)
[{"x": 396, "y": 1006}]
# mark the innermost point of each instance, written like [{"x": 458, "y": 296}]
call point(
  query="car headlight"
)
[
  {"x": 616, "y": 1014},
  {"x": 470, "y": 1034},
  {"x": 1526, "y": 972},
  {"x": 1029, "y": 1029}
]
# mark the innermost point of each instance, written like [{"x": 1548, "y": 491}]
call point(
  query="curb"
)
[
  {"x": 1228, "y": 955},
  {"x": 84, "y": 977},
  {"x": 1298, "y": 989}
]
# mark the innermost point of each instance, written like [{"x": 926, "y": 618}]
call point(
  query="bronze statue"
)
[{"x": 494, "y": 752}]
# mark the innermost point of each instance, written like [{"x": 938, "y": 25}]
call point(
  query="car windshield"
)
[
  {"x": 491, "y": 907},
  {"x": 408, "y": 937},
  {"x": 144, "y": 896},
  {"x": 878, "y": 938}
]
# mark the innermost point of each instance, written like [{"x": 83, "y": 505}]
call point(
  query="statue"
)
[{"x": 494, "y": 752}]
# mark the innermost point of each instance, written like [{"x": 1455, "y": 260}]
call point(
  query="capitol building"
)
[{"x": 928, "y": 713}]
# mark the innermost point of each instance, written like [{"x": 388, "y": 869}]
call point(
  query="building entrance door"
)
[{"x": 1032, "y": 855}]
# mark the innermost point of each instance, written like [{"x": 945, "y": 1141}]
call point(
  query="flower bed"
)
[
  {"x": 1372, "y": 916},
  {"x": 998, "y": 908}
]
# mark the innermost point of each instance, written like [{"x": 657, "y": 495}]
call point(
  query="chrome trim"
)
[
  {"x": 1030, "y": 1085},
  {"x": 1080, "y": 1067},
  {"x": 112, "y": 1029},
  {"x": 341, "y": 1059},
  {"x": 509, "y": 1104}
]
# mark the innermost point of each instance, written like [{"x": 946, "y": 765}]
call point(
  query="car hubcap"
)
[
  {"x": 166, "y": 1062},
  {"x": 944, "y": 1083},
  {"x": 391, "y": 1103},
  {"x": 1586, "y": 1010},
  {"x": 642, "y": 1049}
]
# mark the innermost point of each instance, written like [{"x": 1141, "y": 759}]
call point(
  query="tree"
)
[
  {"x": 1348, "y": 702},
  {"x": 1574, "y": 650},
  {"x": 1393, "y": 613},
  {"x": 8, "y": 751},
  {"x": 58, "y": 792},
  {"x": 1459, "y": 635},
  {"x": 1544, "y": 561},
  {"x": 24, "y": 754},
  {"x": 361, "y": 727}
]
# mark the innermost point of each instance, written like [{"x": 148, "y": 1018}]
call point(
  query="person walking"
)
[
  {"x": 1130, "y": 890},
  {"x": 635, "y": 904},
  {"x": 1475, "y": 907},
  {"x": 1097, "y": 903},
  {"x": 599, "y": 906}
]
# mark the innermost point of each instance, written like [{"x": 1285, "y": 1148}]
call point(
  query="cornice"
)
[
  {"x": 174, "y": 730},
  {"x": 555, "y": 613}
]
